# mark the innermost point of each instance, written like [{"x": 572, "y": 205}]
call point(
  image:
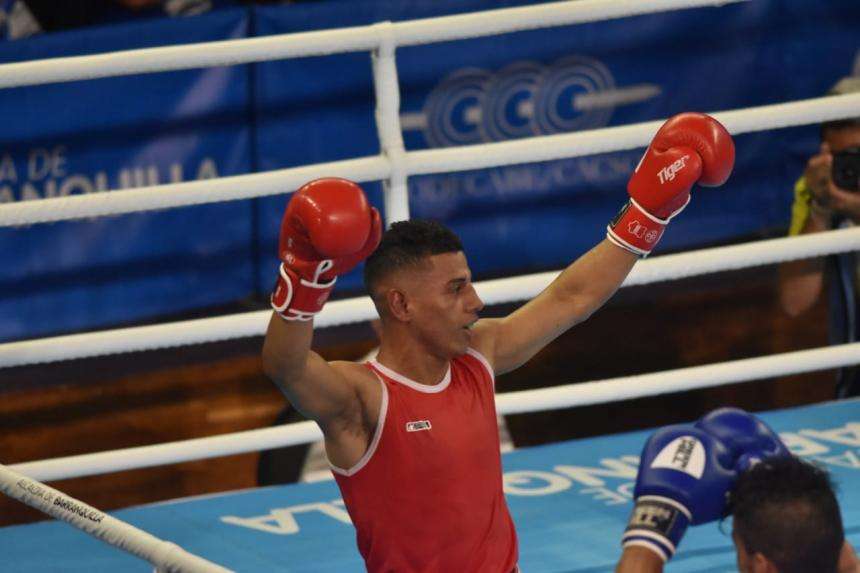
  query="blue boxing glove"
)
[
  {"x": 748, "y": 438},
  {"x": 684, "y": 477}
]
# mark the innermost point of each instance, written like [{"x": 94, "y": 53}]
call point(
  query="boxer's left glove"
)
[
  {"x": 327, "y": 229},
  {"x": 689, "y": 148},
  {"x": 748, "y": 438},
  {"x": 684, "y": 478}
]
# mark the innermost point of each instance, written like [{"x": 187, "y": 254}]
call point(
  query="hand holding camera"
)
[{"x": 834, "y": 181}]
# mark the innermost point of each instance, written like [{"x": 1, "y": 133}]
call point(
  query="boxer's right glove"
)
[
  {"x": 689, "y": 148},
  {"x": 684, "y": 477},
  {"x": 327, "y": 229},
  {"x": 748, "y": 438}
]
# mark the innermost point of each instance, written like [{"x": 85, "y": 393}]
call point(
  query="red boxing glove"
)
[
  {"x": 688, "y": 148},
  {"x": 327, "y": 229}
]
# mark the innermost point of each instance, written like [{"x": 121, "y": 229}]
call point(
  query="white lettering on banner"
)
[
  {"x": 530, "y": 482},
  {"x": 848, "y": 459},
  {"x": 7, "y": 169},
  {"x": 439, "y": 195},
  {"x": 176, "y": 172},
  {"x": 29, "y": 192},
  {"x": 282, "y": 521},
  {"x": 207, "y": 169},
  {"x": 47, "y": 176},
  {"x": 626, "y": 489},
  {"x": 848, "y": 435},
  {"x": 616, "y": 468},
  {"x": 43, "y": 163},
  {"x": 76, "y": 184},
  {"x": 801, "y": 446},
  {"x": 593, "y": 481}
]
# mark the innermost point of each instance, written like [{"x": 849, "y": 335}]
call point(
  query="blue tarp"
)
[{"x": 570, "y": 502}]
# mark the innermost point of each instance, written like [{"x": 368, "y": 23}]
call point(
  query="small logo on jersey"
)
[{"x": 418, "y": 426}]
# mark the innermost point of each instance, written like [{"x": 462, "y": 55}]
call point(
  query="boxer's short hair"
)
[
  {"x": 405, "y": 244},
  {"x": 786, "y": 509}
]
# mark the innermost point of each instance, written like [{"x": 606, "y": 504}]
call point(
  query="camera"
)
[{"x": 846, "y": 169}]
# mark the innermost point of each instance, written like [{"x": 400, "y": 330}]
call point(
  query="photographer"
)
[{"x": 827, "y": 197}]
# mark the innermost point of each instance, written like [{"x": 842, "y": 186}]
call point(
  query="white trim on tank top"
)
[
  {"x": 383, "y": 406},
  {"x": 377, "y": 435},
  {"x": 483, "y": 360},
  {"x": 401, "y": 379}
]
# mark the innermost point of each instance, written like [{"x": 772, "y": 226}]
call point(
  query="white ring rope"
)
[
  {"x": 166, "y": 556},
  {"x": 189, "y": 193},
  {"x": 562, "y": 146},
  {"x": 462, "y": 158},
  {"x": 303, "y": 44},
  {"x": 667, "y": 267},
  {"x": 567, "y": 396}
]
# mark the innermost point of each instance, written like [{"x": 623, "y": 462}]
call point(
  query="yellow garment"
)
[
  {"x": 800, "y": 207},
  {"x": 800, "y": 213}
]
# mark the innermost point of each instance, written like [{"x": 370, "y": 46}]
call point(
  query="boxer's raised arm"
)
[
  {"x": 310, "y": 383},
  {"x": 327, "y": 229},
  {"x": 579, "y": 290},
  {"x": 687, "y": 149}
]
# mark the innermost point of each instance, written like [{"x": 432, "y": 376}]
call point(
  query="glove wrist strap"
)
[
  {"x": 636, "y": 230},
  {"x": 657, "y": 523},
  {"x": 295, "y": 298}
]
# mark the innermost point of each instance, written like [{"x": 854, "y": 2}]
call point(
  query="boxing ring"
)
[{"x": 570, "y": 500}]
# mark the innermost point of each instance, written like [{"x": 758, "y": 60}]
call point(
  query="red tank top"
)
[{"x": 427, "y": 495}]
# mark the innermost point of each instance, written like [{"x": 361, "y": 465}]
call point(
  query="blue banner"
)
[
  {"x": 85, "y": 137},
  {"x": 560, "y": 80}
]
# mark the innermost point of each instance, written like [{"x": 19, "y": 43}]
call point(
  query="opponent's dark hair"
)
[
  {"x": 408, "y": 243},
  {"x": 786, "y": 509}
]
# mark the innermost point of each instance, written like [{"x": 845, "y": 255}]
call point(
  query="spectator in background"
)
[
  {"x": 827, "y": 197},
  {"x": 25, "y": 18}
]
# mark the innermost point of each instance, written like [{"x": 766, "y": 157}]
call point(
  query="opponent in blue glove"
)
[
  {"x": 684, "y": 477},
  {"x": 748, "y": 438}
]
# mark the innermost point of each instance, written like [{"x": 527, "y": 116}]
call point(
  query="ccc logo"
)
[{"x": 523, "y": 99}]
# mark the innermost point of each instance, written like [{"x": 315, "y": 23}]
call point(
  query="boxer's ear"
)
[{"x": 398, "y": 304}]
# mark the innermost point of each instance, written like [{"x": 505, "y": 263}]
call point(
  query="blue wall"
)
[{"x": 84, "y": 137}]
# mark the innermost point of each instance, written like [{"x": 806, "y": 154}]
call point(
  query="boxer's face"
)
[{"x": 444, "y": 304}]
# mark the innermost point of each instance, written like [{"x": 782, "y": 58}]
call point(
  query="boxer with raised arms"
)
[{"x": 411, "y": 436}]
